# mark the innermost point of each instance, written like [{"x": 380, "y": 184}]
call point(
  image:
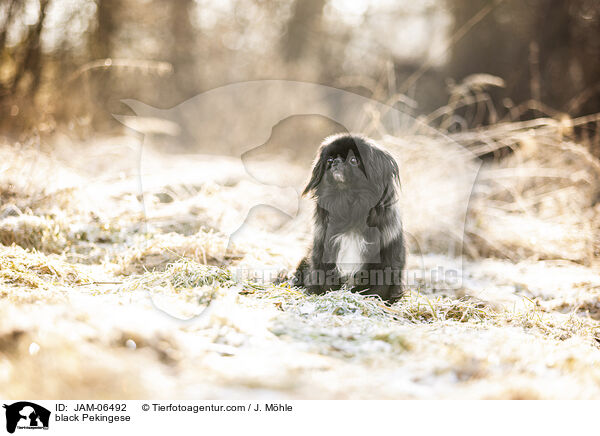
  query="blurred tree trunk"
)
[
  {"x": 305, "y": 20},
  {"x": 7, "y": 20},
  {"x": 100, "y": 45},
  {"x": 585, "y": 50},
  {"x": 497, "y": 45},
  {"x": 10, "y": 10},
  {"x": 100, "y": 41},
  {"x": 29, "y": 66},
  {"x": 553, "y": 26},
  {"x": 183, "y": 52}
]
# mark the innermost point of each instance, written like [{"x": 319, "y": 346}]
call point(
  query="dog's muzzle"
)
[{"x": 338, "y": 175}]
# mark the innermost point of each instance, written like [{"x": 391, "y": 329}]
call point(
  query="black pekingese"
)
[{"x": 358, "y": 240}]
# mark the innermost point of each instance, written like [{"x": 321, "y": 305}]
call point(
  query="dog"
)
[{"x": 358, "y": 241}]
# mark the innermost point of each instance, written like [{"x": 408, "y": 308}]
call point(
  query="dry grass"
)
[
  {"x": 537, "y": 202},
  {"x": 513, "y": 190}
]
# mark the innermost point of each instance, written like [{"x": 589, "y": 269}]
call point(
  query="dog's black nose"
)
[{"x": 337, "y": 161}]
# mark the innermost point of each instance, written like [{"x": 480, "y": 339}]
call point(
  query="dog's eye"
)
[
  {"x": 329, "y": 161},
  {"x": 353, "y": 161}
]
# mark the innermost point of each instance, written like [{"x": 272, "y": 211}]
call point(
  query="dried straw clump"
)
[
  {"x": 181, "y": 275},
  {"x": 416, "y": 307},
  {"x": 186, "y": 274},
  {"x": 33, "y": 232},
  {"x": 183, "y": 288},
  {"x": 19, "y": 267},
  {"x": 552, "y": 324},
  {"x": 160, "y": 250}
]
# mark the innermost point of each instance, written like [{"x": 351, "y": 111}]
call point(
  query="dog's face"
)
[
  {"x": 343, "y": 168},
  {"x": 351, "y": 164}
]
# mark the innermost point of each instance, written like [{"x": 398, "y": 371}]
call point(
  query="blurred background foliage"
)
[{"x": 68, "y": 63}]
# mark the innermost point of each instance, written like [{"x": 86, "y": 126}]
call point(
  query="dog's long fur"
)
[{"x": 358, "y": 239}]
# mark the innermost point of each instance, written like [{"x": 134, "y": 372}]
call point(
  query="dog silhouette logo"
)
[{"x": 26, "y": 415}]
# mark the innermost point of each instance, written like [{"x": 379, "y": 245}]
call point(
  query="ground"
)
[{"x": 119, "y": 286}]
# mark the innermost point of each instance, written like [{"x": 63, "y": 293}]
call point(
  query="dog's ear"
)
[
  {"x": 394, "y": 171},
  {"x": 389, "y": 173},
  {"x": 317, "y": 173}
]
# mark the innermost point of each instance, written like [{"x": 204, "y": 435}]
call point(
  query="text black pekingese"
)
[{"x": 358, "y": 240}]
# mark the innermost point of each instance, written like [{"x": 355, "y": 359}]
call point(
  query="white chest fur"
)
[{"x": 350, "y": 256}]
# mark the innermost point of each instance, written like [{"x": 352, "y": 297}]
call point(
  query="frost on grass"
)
[
  {"x": 340, "y": 323},
  {"x": 183, "y": 289},
  {"x": 517, "y": 328}
]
